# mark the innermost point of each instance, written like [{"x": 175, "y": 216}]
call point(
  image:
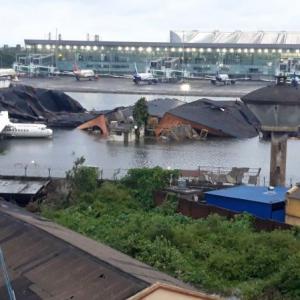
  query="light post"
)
[
  {"x": 183, "y": 62},
  {"x": 171, "y": 176},
  {"x": 185, "y": 88}
]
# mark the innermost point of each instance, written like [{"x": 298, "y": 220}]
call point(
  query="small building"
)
[
  {"x": 217, "y": 118},
  {"x": 262, "y": 202},
  {"x": 292, "y": 206},
  {"x": 22, "y": 190},
  {"x": 157, "y": 109},
  {"x": 123, "y": 132},
  {"x": 159, "y": 291},
  {"x": 96, "y": 124}
]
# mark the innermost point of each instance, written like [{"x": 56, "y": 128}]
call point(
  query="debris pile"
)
[{"x": 55, "y": 108}]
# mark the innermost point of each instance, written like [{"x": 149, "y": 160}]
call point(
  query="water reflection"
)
[{"x": 66, "y": 145}]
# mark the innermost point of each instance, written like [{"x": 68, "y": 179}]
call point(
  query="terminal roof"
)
[{"x": 236, "y": 37}]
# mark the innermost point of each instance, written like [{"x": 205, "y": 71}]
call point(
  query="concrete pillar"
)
[
  {"x": 278, "y": 158},
  {"x": 126, "y": 137}
]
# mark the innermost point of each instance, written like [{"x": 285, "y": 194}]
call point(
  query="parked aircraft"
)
[
  {"x": 143, "y": 77},
  {"x": 23, "y": 130},
  {"x": 221, "y": 78},
  {"x": 293, "y": 80},
  {"x": 8, "y": 73},
  {"x": 84, "y": 74}
]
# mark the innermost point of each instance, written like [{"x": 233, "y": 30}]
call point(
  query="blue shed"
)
[{"x": 259, "y": 201}]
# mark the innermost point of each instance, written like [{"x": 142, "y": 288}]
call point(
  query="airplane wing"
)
[
  {"x": 209, "y": 77},
  {"x": 240, "y": 78}
]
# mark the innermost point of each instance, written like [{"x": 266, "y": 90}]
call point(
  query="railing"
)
[
  {"x": 9, "y": 289},
  {"x": 35, "y": 170},
  {"x": 235, "y": 175},
  {"x": 210, "y": 173}
]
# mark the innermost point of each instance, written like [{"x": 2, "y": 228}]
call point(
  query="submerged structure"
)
[
  {"x": 277, "y": 107},
  {"x": 28, "y": 104},
  {"x": 216, "y": 118}
]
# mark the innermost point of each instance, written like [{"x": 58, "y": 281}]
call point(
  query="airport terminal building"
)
[{"x": 188, "y": 53}]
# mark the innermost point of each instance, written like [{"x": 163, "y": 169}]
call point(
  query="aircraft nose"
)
[{"x": 49, "y": 132}]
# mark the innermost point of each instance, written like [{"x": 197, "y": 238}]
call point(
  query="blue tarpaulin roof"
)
[{"x": 252, "y": 193}]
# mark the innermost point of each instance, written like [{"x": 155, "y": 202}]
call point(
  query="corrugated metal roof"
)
[
  {"x": 236, "y": 37},
  {"x": 252, "y": 193},
  {"x": 158, "y": 107},
  {"x": 46, "y": 260},
  {"x": 43, "y": 267},
  {"x": 232, "y": 118},
  {"x": 24, "y": 187}
]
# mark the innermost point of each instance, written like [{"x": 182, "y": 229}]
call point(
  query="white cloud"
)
[{"x": 140, "y": 20}]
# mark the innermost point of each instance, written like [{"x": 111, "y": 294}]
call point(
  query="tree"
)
[
  {"x": 140, "y": 115},
  {"x": 81, "y": 178}
]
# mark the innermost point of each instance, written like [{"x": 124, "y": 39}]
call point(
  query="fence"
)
[
  {"x": 213, "y": 175},
  {"x": 35, "y": 170}
]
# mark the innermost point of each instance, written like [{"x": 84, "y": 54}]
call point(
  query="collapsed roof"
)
[
  {"x": 158, "y": 107},
  {"x": 230, "y": 118},
  {"x": 26, "y": 103}
]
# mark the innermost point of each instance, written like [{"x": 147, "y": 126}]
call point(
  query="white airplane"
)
[
  {"x": 221, "y": 78},
  {"x": 8, "y": 73},
  {"x": 293, "y": 80},
  {"x": 22, "y": 130},
  {"x": 143, "y": 77},
  {"x": 86, "y": 74}
]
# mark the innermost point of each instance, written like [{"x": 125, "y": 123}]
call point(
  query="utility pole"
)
[{"x": 183, "y": 62}]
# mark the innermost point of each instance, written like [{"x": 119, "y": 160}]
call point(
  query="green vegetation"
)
[
  {"x": 217, "y": 255},
  {"x": 8, "y": 56},
  {"x": 140, "y": 115}
]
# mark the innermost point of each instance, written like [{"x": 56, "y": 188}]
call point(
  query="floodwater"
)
[{"x": 40, "y": 156}]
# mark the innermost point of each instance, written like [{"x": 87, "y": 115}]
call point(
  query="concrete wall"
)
[{"x": 292, "y": 210}]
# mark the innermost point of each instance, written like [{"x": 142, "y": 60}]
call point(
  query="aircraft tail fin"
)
[
  {"x": 76, "y": 68},
  {"x": 135, "y": 68}
]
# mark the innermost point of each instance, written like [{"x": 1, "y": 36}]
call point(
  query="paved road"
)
[{"x": 126, "y": 86}]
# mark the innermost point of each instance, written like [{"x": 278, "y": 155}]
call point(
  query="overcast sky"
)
[{"x": 139, "y": 20}]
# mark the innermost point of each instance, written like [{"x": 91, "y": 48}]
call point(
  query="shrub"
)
[{"x": 145, "y": 181}]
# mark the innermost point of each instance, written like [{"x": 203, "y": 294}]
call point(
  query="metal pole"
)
[
  {"x": 183, "y": 55},
  {"x": 9, "y": 288}
]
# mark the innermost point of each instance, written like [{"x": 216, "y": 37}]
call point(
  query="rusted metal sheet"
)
[
  {"x": 42, "y": 267},
  {"x": 46, "y": 260}
]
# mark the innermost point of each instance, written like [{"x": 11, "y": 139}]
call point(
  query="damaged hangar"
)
[{"x": 217, "y": 118}]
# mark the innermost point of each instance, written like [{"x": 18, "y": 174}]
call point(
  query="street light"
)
[{"x": 185, "y": 88}]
